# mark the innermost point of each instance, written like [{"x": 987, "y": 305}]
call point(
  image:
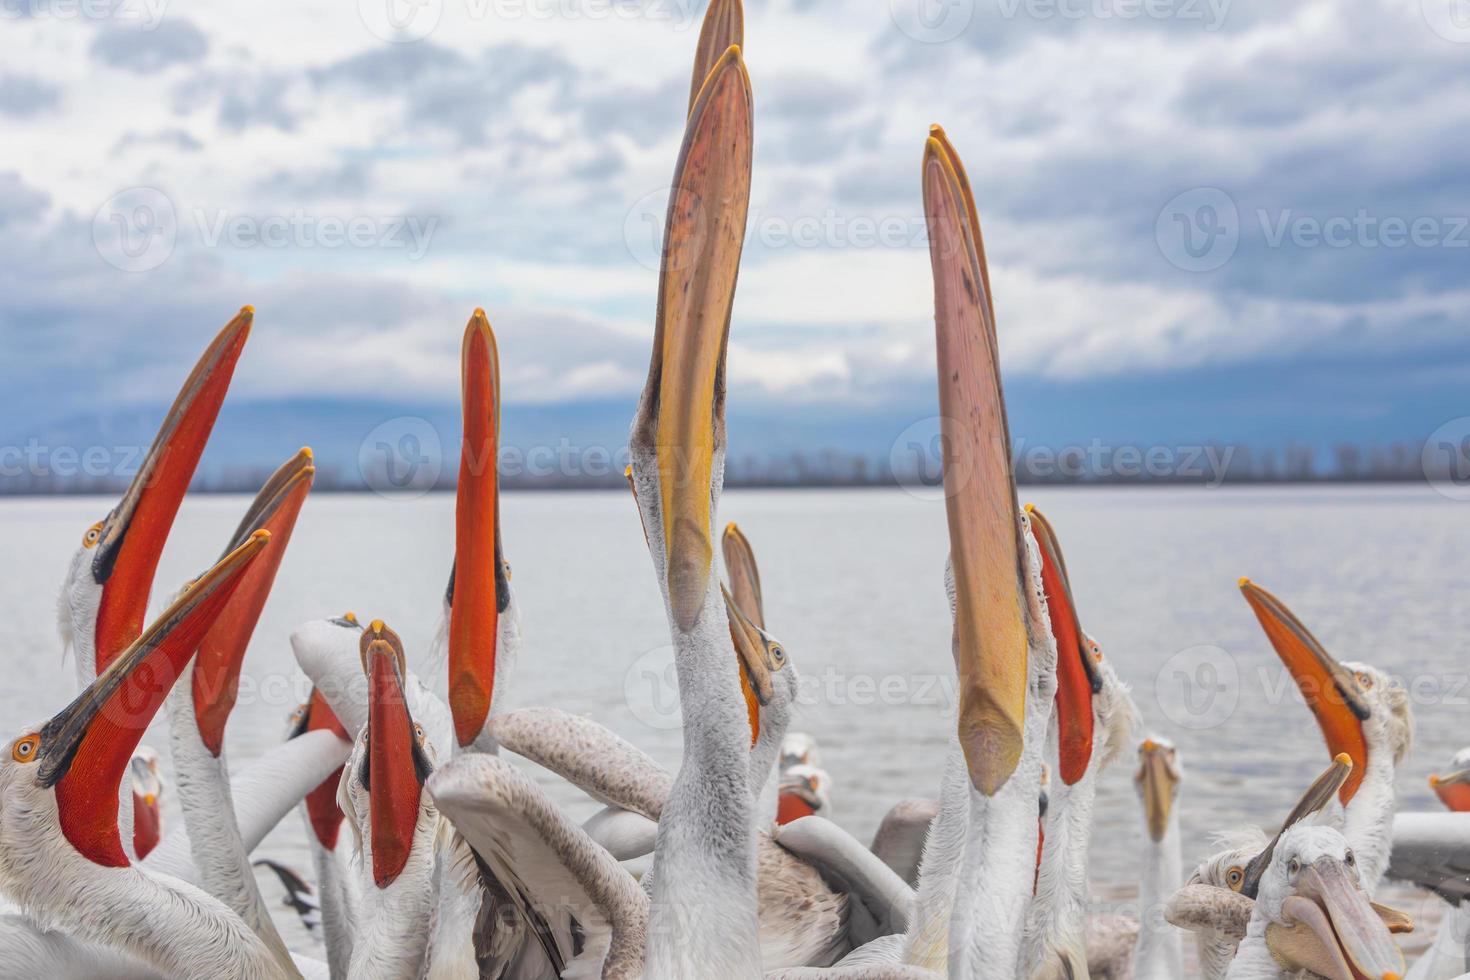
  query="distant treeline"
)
[{"x": 1093, "y": 464}]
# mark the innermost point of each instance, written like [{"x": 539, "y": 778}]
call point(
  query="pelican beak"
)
[
  {"x": 222, "y": 654},
  {"x": 1157, "y": 778},
  {"x": 85, "y": 750},
  {"x": 745, "y": 577},
  {"x": 1343, "y": 937},
  {"x": 131, "y": 539},
  {"x": 147, "y": 821},
  {"x": 395, "y": 768},
  {"x": 478, "y": 589},
  {"x": 321, "y": 803},
  {"x": 1330, "y": 689},
  {"x": 1453, "y": 790},
  {"x": 986, "y": 549},
  {"x": 681, "y": 416},
  {"x": 751, "y": 644},
  {"x": 796, "y": 798},
  {"x": 723, "y": 28},
  {"x": 1078, "y": 678},
  {"x": 1318, "y": 795}
]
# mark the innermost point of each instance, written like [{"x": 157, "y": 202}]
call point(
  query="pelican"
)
[
  {"x": 979, "y": 866},
  {"x": 147, "y": 800},
  {"x": 104, "y": 597},
  {"x": 803, "y": 793},
  {"x": 336, "y": 889},
  {"x": 704, "y": 890},
  {"x": 199, "y": 707},
  {"x": 393, "y": 820},
  {"x": 1429, "y": 850},
  {"x": 899, "y": 839},
  {"x": 1361, "y": 711},
  {"x": 1158, "y": 953},
  {"x": 1093, "y": 718},
  {"x": 61, "y": 850},
  {"x": 799, "y": 749}
]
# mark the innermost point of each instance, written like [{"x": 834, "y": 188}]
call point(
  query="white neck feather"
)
[
  {"x": 336, "y": 897},
  {"x": 927, "y": 943},
  {"x": 1368, "y": 819},
  {"x": 1056, "y": 926},
  {"x": 1159, "y": 951},
  {"x": 1253, "y": 961}
]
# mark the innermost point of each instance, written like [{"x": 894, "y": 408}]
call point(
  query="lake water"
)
[{"x": 853, "y": 584}]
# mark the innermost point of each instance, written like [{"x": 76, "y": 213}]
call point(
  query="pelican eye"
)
[
  {"x": 778, "y": 655},
  {"x": 93, "y": 535},
  {"x": 418, "y": 732},
  {"x": 26, "y": 749},
  {"x": 506, "y": 565},
  {"x": 1235, "y": 877},
  {"x": 1349, "y": 859},
  {"x": 1364, "y": 679},
  {"x": 1293, "y": 867}
]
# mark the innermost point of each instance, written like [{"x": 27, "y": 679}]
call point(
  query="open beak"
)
[
  {"x": 1077, "y": 676},
  {"x": 723, "y": 28},
  {"x": 222, "y": 654},
  {"x": 1343, "y": 937},
  {"x": 979, "y": 487},
  {"x": 478, "y": 590},
  {"x": 321, "y": 803},
  {"x": 133, "y": 535},
  {"x": 751, "y": 644},
  {"x": 1330, "y": 689},
  {"x": 85, "y": 750},
  {"x": 396, "y": 768},
  {"x": 1158, "y": 781},
  {"x": 682, "y": 411},
  {"x": 1318, "y": 795},
  {"x": 1453, "y": 790},
  {"x": 745, "y": 577}
]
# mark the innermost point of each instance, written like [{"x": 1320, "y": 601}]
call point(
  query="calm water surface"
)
[{"x": 853, "y": 585}]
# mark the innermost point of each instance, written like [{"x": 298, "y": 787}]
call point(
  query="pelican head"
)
[
  {"x": 1360, "y": 709},
  {"x": 147, "y": 783},
  {"x": 105, "y": 596},
  {"x": 799, "y": 749},
  {"x": 1157, "y": 782},
  {"x": 805, "y": 790},
  {"x": 1453, "y": 789},
  {"x": 677, "y": 444},
  {"x": 64, "y": 774},
  {"x": 390, "y": 763},
  {"x": 1316, "y": 913}
]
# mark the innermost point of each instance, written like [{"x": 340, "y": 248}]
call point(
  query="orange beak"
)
[
  {"x": 1453, "y": 790},
  {"x": 321, "y": 803},
  {"x": 1330, "y": 690},
  {"x": 222, "y": 654},
  {"x": 396, "y": 768},
  {"x": 85, "y": 750},
  {"x": 1077, "y": 681},
  {"x": 134, "y": 533},
  {"x": 478, "y": 590},
  {"x": 991, "y": 636}
]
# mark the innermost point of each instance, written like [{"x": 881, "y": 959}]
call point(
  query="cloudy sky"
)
[{"x": 1238, "y": 220}]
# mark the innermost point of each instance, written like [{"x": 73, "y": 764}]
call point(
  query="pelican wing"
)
[
  {"x": 1432, "y": 850},
  {"x": 624, "y": 834},
  {"x": 587, "y": 755},
  {"x": 850, "y": 867},
  {"x": 899, "y": 842},
  {"x": 550, "y": 866}
]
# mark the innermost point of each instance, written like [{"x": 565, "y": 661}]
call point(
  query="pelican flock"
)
[{"x": 434, "y": 854}]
